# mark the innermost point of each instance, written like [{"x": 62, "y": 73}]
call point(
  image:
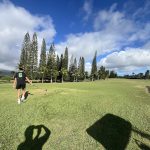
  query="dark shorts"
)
[{"x": 20, "y": 86}]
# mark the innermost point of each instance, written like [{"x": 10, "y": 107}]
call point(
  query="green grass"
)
[{"x": 87, "y": 115}]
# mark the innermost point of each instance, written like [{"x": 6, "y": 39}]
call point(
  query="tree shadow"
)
[
  {"x": 36, "y": 142},
  {"x": 113, "y": 132}
]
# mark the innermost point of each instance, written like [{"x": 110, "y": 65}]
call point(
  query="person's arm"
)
[
  {"x": 14, "y": 84},
  {"x": 28, "y": 80},
  {"x": 15, "y": 80}
]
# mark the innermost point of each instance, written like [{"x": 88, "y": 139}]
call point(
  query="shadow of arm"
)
[{"x": 143, "y": 134}]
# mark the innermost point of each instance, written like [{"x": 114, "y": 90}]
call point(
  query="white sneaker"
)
[
  {"x": 19, "y": 101},
  {"x": 22, "y": 98}
]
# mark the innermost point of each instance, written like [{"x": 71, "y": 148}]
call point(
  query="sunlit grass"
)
[{"x": 69, "y": 109}]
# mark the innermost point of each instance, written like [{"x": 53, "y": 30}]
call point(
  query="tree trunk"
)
[{"x": 51, "y": 79}]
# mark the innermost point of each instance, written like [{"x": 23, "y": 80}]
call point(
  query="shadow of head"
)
[
  {"x": 111, "y": 131},
  {"x": 35, "y": 137}
]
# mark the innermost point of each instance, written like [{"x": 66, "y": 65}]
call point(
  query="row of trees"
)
[
  {"x": 145, "y": 75},
  {"x": 50, "y": 66},
  {"x": 53, "y": 67}
]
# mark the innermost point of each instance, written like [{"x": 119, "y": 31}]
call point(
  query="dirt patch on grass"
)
[{"x": 148, "y": 89}]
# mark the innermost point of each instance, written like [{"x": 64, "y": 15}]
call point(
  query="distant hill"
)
[{"x": 5, "y": 72}]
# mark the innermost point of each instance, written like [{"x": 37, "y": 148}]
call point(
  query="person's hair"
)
[{"x": 21, "y": 67}]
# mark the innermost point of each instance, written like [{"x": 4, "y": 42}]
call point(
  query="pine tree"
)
[
  {"x": 71, "y": 68},
  {"x": 42, "y": 64},
  {"x": 79, "y": 68},
  {"x": 65, "y": 60},
  {"x": 113, "y": 74},
  {"x": 64, "y": 65},
  {"x": 51, "y": 63},
  {"x": 82, "y": 67},
  {"x": 58, "y": 63},
  {"x": 147, "y": 74},
  {"x": 103, "y": 73},
  {"x": 75, "y": 70},
  {"x": 94, "y": 67},
  {"x": 34, "y": 57},
  {"x": 25, "y": 54}
]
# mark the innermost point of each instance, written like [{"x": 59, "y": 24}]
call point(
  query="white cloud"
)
[
  {"x": 112, "y": 35},
  {"x": 127, "y": 60},
  {"x": 87, "y": 8},
  {"x": 14, "y": 23},
  {"x": 113, "y": 21},
  {"x": 147, "y": 45},
  {"x": 88, "y": 67},
  {"x": 86, "y": 44},
  {"x": 113, "y": 31}
]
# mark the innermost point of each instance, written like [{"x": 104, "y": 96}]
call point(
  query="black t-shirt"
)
[{"x": 20, "y": 76}]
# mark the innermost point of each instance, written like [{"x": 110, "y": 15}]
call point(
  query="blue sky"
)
[
  {"x": 119, "y": 30},
  {"x": 67, "y": 15}
]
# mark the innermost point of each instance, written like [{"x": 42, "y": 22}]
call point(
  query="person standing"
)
[{"x": 20, "y": 83}]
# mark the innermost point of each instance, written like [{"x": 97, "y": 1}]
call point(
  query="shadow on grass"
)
[
  {"x": 114, "y": 132},
  {"x": 111, "y": 131},
  {"x": 27, "y": 93},
  {"x": 141, "y": 145},
  {"x": 148, "y": 88},
  {"x": 35, "y": 141}
]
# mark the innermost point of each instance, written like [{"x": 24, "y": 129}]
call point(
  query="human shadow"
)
[
  {"x": 114, "y": 132},
  {"x": 36, "y": 142},
  {"x": 111, "y": 131}
]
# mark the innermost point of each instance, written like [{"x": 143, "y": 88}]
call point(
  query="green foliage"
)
[
  {"x": 34, "y": 57},
  {"x": 64, "y": 73},
  {"x": 29, "y": 54},
  {"x": 51, "y": 62},
  {"x": 7, "y": 78},
  {"x": 81, "y": 68},
  {"x": 94, "y": 67},
  {"x": 65, "y": 59},
  {"x": 42, "y": 64},
  {"x": 147, "y": 74},
  {"x": 25, "y": 56},
  {"x": 102, "y": 73},
  {"x": 113, "y": 74}
]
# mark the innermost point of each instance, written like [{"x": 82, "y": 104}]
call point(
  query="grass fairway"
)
[{"x": 114, "y": 114}]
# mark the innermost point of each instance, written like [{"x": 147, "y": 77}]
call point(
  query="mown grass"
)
[{"x": 86, "y": 115}]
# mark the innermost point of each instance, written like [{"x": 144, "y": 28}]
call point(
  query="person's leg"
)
[
  {"x": 18, "y": 95},
  {"x": 23, "y": 91},
  {"x": 23, "y": 94}
]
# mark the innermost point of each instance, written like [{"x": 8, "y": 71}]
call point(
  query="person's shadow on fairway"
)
[
  {"x": 36, "y": 142},
  {"x": 114, "y": 133}
]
